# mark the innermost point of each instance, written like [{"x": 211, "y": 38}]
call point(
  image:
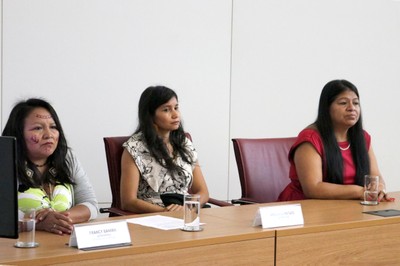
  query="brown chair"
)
[
  {"x": 114, "y": 149},
  {"x": 263, "y": 168}
]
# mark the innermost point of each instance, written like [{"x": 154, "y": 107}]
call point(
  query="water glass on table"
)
[
  {"x": 191, "y": 213},
  {"x": 26, "y": 229},
  {"x": 371, "y": 190}
]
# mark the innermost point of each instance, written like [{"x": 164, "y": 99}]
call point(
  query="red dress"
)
[{"x": 293, "y": 190}]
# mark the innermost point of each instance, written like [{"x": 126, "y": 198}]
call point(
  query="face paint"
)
[
  {"x": 41, "y": 135},
  {"x": 43, "y": 116},
  {"x": 35, "y": 139}
]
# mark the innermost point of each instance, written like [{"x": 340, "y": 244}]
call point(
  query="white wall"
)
[
  {"x": 93, "y": 58},
  {"x": 242, "y": 68},
  {"x": 285, "y": 51}
]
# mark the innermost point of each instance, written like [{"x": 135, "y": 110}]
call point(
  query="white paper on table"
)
[{"x": 159, "y": 222}]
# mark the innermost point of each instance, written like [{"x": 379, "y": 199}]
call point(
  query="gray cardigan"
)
[{"x": 83, "y": 192}]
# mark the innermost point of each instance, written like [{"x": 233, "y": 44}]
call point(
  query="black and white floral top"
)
[{"x": 154, "y": 178}]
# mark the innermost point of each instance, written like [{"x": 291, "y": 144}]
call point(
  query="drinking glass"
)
[
  {"x": 371, "y": 190},
  {"x": 191, "y": 213},
  {"x": 26, "y": 229}
]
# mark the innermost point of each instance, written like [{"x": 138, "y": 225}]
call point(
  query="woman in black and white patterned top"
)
[{"x": 159, "y": 158}]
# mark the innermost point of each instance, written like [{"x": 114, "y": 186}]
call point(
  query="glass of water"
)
[
  {"x": 191, "y": 213},
  {"x": 26, "y": 229},
  {"x": 371, "y": 190}
]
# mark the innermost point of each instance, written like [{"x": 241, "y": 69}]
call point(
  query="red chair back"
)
[
  {"x": 263, "y": 167},
  {"x": 114, "y": 149}
]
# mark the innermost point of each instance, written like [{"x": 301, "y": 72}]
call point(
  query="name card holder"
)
[
  {"x": 279, "y": 216},
  {"x": 91, "y": 236}
]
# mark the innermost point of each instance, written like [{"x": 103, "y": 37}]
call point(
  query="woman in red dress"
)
[{"x": 331, "y": 156}]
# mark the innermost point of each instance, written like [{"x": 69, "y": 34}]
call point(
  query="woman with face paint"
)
[{"x": 51, "y": 179}]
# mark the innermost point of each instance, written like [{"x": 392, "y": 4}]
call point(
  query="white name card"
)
[
  {"x": 278, "y": 216},
  {"x": 100, "y": 235}
]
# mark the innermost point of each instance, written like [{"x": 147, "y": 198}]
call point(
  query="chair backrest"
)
[
  {"x": 114, "y": 149},
  {"x": 263, "y": 167}
]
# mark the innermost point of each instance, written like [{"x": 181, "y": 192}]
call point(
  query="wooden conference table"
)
[{"x": 334, "y": 232}]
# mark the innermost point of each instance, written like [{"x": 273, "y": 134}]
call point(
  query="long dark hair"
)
[
  {"x": 58, "y": 160},
  {"x": 333, "y": 170},
  {"x": 152, "y": 98}
]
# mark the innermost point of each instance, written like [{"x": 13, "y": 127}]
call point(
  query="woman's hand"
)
[
  {"x": 383, "y": 196},
  {"x": 173, "y": 208},
  {"x": 54, "y": 222}
]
